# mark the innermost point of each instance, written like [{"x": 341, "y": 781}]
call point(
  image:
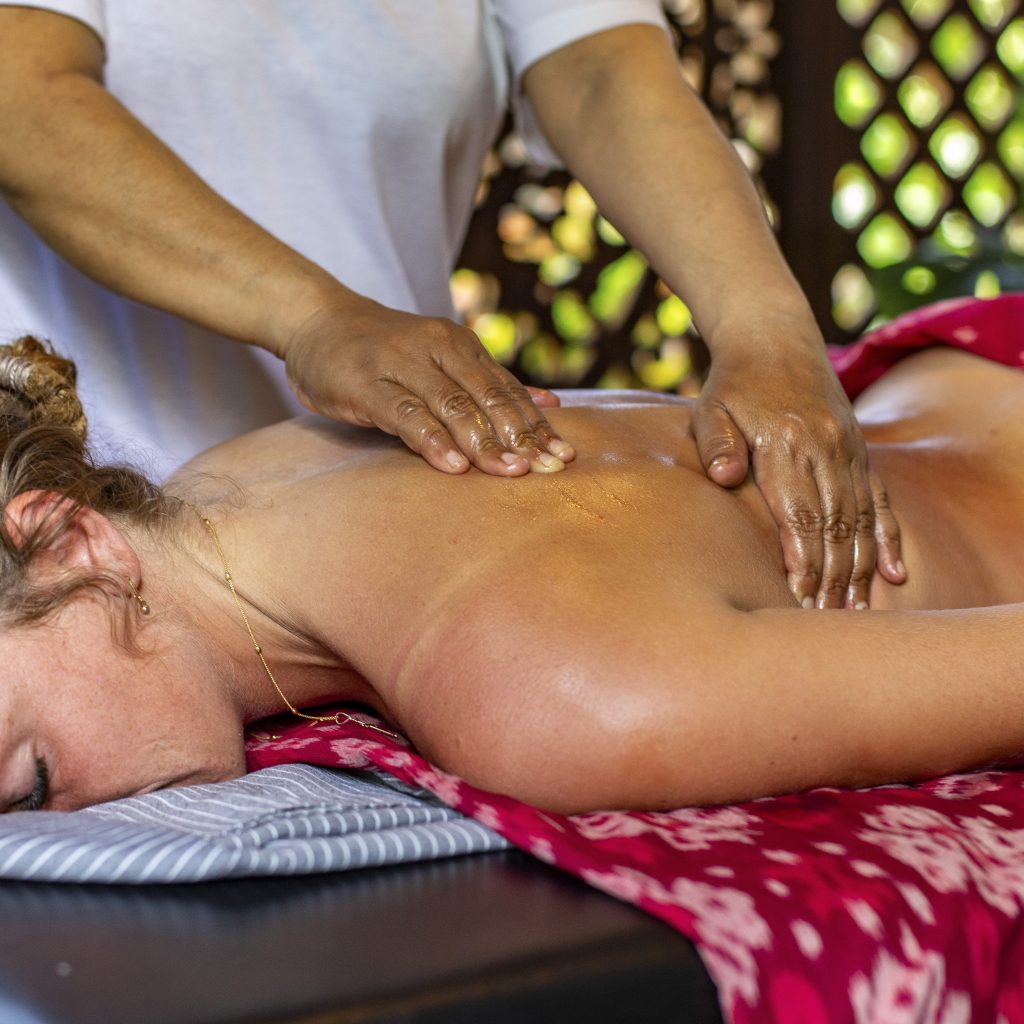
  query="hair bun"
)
[{"x": 41, "y": 385}]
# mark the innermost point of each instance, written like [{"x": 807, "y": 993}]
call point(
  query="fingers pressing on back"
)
[
  {"x": 858, "y": 591},
  {"x": 720, "y": 444},
  {"x": 887, "y": 534}
]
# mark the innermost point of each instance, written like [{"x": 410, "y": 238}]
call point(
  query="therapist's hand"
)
[
  {"x": 427, "y": 380},
  {"x": 781, "y": 411}
]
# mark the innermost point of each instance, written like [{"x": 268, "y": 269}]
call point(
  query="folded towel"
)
[{"x": 289, "y": 820}]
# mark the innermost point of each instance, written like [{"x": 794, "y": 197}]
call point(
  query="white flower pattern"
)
[
  {"x": 686, "y": 830},
  {"x": 907, "y": 990},
  {"x": 953, "y": 854}
]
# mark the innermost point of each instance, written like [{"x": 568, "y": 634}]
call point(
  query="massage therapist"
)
[{"x": 297, "y": 176}]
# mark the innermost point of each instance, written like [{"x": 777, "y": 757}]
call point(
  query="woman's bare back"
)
[
  {"x": 452, "y": 604},
  {"x": 946, "y": 433},
  {"x": 943, "y": 430}
]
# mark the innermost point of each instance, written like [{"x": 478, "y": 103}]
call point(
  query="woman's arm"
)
[
  {"x": 616, "y": 108},
  {"x": 679, "y": 702},
  {"x": 798, "y": 700},
  {"x": 110, "y": 197}
]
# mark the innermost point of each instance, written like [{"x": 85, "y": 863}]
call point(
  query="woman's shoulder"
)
[
  {"x": 284, "y": 452},
  {"x": 307, "y": 446}
]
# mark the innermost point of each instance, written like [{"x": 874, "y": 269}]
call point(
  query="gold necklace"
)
[{"x": 339, "y": 717}]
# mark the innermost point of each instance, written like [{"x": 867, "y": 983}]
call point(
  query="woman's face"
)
[{"x": 82, "y": 721}]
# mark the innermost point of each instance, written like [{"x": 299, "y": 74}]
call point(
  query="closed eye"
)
[{"x": 40, "y": 791}]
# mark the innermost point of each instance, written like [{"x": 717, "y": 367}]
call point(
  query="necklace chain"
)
[{"x": 340, "y": 717}]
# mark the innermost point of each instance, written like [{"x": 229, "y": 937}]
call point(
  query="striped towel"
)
[{"x": 293, "y": 819}]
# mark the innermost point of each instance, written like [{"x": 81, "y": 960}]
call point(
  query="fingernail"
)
[
  {"x": 511, "y": 459},
  {"x": 719, "y": 461},
  {"x": 545, "y": 463},
  {"x": 560, "y": 449},
  {"x": 455, "y": 460},
  {"x": 860, "y": 606},
  {"x": 807, "y": 602}
]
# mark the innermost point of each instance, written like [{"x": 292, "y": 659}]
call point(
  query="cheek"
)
[
  {"x": 107, "y": 753},
  {"x": 93, "y": 765}
]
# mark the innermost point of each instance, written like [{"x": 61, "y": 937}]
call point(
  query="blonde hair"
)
[{"x": 43, "y": 447}]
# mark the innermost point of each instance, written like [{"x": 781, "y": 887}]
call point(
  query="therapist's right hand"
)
[{"x": 427, "y": 380}]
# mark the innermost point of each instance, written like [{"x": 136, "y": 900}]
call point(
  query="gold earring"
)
[{"x": 143, "y": 607}]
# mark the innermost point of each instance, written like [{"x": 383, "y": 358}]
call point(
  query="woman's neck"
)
[{"x": 210, "y": 582}]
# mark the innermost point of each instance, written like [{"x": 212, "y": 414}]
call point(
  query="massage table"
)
[
  {"x": 483, "y": 939},
  {"x": 303, "y": 894}
]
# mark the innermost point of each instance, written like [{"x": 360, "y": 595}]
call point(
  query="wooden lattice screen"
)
[
  {"x": 932, "y": 98},
  {"x": 885, "y": 139}
]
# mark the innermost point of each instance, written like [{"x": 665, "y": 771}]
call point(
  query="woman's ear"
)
[{"x": 87, "y": 540}]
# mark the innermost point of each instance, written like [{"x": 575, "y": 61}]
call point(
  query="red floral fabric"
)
[
  {"x": 893, "y": 905},
  {"x": 993, "y": 328},
  {"x": 889, "y": 905}
]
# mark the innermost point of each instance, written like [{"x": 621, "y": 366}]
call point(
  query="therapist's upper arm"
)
[
  {"x": 560, "y": 86},
  {"x": 36, "y": 44}
]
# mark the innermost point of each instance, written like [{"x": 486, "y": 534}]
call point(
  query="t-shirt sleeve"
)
[
  {"x": 89, "y": 12},
  {"x": 531, "y": 29}
]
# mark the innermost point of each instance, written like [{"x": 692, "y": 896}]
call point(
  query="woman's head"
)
[
  {"x": 82, "y": 704},
  {"x": 43, "y": 451}
]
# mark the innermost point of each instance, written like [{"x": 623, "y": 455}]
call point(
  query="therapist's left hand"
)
[{"x": 779, "y": 410}]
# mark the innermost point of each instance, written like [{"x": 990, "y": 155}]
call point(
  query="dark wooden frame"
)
[{"x": 815, "y": 143}]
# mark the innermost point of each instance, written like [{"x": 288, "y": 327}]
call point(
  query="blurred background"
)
[{"x": 886, "y": 138}]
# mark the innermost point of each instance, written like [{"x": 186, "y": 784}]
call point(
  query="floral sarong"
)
[
  {"x": 887, "y": 905},
  {"x": 992, "y": 328}
]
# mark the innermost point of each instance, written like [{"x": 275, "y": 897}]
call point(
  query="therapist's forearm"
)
[
  {"x": 627, "y": 125},
  {"x": 112, "y": 199}
]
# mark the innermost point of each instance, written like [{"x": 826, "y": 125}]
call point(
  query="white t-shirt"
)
[{"x": 353, "y": 130}]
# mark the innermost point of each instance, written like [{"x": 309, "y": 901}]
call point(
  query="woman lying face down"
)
[
  {"x": 83, "y": 714},
  {"x": 618, "y": 635}
]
